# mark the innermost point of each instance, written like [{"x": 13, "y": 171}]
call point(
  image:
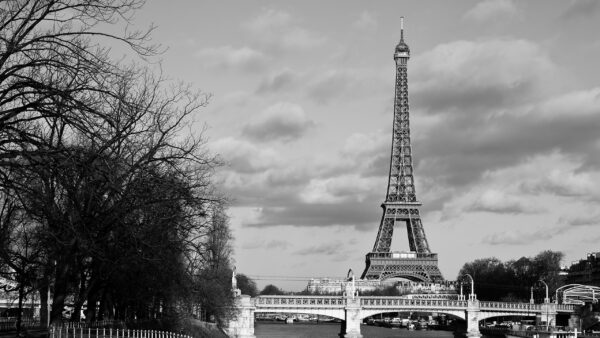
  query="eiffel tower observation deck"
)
[{"x": 401, "y": 205}]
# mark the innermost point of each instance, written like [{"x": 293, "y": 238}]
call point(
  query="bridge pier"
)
[
  {"x": 351, "y": 327},
  {"x": 472, "y": 318},
  {"x": 242, "y": 326},
  {"x": 547, "y": 315},
  {"x": 575, "y": 322}
]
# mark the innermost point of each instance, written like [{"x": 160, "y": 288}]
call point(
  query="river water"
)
[{"x": 331, "y": 330}]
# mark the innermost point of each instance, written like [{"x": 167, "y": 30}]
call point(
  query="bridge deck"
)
[{"x": 339, "y": 302}]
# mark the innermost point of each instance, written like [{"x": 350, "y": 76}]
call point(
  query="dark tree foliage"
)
[
  {"x": 512, "y": 280},
  {"x": 246, "y": 285},
  {"x": 106, "y": 197},
  {"x": 271, "y": 290},
  {"x": 211, "y": 268},
  {"x": 390, "y": 290}
]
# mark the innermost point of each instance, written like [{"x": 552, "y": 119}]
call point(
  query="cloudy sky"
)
[{"x": 505, "y": 115}]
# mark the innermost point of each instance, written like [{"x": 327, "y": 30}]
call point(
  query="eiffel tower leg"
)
[
  {"x": 420, "y": 241},
  {"x": 384, "y": 236},
  {"x": 410, "y": 231}
]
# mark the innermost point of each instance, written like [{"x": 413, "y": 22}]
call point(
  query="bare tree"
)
[
  {"x": 54, "y": 68},
  {"x": 101, "y": 160}
]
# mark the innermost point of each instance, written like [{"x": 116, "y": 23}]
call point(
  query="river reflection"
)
[{"x": 331, "y": 330}]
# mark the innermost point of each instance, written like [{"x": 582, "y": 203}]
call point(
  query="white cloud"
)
[
  {"x": 581, "y": 9},
  {"x": 366, "y": 21},
  {"x": 488, "y": 10},
  {"x": 344, "y": 83},
  {"x": 521, "y": 237},
  {"x": 279, "y": 81},
  {"x": 574, "y": 104},
  {"x": 275, "y": 244},
  {"x": 330, "y": 248},
  {"x": 227, "y": 57},
  {"x": 277, "y": 29},
  {"x": 498, "y": 201},
  {"x": 282, "y": 121},
  {"x": 582, "y": 220},
  {"x": 333, "y": 190},
  {"x": 563, "y": 181},
  {"x": 370, "y": 144},
  {"x": 487, "y": 74},
  {"x": 244, "y": 156}
]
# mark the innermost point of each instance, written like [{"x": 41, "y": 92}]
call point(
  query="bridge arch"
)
[
  {"x": 453, "y": 313},
  {"x": 414, "y": 277},
  {"x": 488, "y": 315},
  {"x": 334, "y": 313}
]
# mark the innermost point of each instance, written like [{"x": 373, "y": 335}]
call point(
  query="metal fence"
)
[
  {"x": 11, "y": 324},
  {"x": 65, "y": 332}
]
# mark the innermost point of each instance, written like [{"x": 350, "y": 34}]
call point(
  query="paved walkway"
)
[{"x": 29, "y": 334}]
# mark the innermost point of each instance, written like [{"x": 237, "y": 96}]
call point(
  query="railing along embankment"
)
[{"x": 65, "y": 332}]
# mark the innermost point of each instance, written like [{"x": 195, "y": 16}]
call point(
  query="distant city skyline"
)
[{"x": 505, "y": 117}]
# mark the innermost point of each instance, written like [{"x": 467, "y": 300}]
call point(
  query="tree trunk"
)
[
  {"x": 20, "y": 314},
  {"x": 60, "y": 292},
  {"x": 109, "y": 307},
  {"x": 80, "y": 297},
  {"x": 94, "y": 287},
  {"x": 44, "y": 291},
  {"x": 92, "y": 300},
  {"x": 102, "y": 307}
]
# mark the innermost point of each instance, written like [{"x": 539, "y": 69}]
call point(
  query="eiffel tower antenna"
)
[
  {"x": 401, "y": 28},
  {"x": 401, "y": 205}
]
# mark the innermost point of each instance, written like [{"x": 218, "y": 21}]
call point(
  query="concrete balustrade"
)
[{"x": 352, "y": 309}]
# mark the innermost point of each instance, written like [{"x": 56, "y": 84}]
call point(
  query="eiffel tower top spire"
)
[
  {"x": 401, "y": 188},
  {"x": 402, "y": 49},
  {"x": 401, "y": 28}
]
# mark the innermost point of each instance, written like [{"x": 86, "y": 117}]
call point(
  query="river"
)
[{"x": 326, "y": 330}]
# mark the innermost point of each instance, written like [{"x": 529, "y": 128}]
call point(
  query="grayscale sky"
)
[{"x": 505, "y": 116}]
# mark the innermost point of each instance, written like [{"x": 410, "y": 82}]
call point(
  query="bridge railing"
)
[
  {"x": 395, "y": 302},
  {"x": 509, "y": 306},
  {"x": 303, "y": 301},
  {"x": 413, "y": 255},
  {"x": 566, "y": 307},
  {"x": 403, "y": 302}
]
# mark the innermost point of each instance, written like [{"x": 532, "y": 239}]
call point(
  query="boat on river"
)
[{"x": 541, "y": 334}]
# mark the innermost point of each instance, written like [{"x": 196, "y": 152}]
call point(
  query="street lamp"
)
[
  {"x": 546, "y": 300},
  {"x": 472, "y": 295}
]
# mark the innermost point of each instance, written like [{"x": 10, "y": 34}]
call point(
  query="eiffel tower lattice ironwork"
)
[{"x": 401, "y": 205}]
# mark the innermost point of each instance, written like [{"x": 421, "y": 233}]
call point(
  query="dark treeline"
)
[
  {"x": 513, "y": 280},
  {"x": 248, "y": 287},
  {"x": 493, "y": 279},
  {"x": 106, "y": 197}
]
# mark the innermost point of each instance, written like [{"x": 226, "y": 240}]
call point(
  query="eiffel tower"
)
[{"x": 401, "y": 205}]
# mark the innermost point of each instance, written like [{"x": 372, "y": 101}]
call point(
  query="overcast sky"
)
[{"x": 505, "y": 116}]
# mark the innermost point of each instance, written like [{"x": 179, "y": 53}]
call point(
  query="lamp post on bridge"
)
[
  {"x": 546, "y": 300},
  {"x": 472, "y": 315},
  {"x": 472, "y": 296},
  {"x": 546, "y": 304}
]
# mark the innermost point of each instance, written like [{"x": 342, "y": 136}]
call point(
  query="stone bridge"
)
[{"x": 353, "y": 309}]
